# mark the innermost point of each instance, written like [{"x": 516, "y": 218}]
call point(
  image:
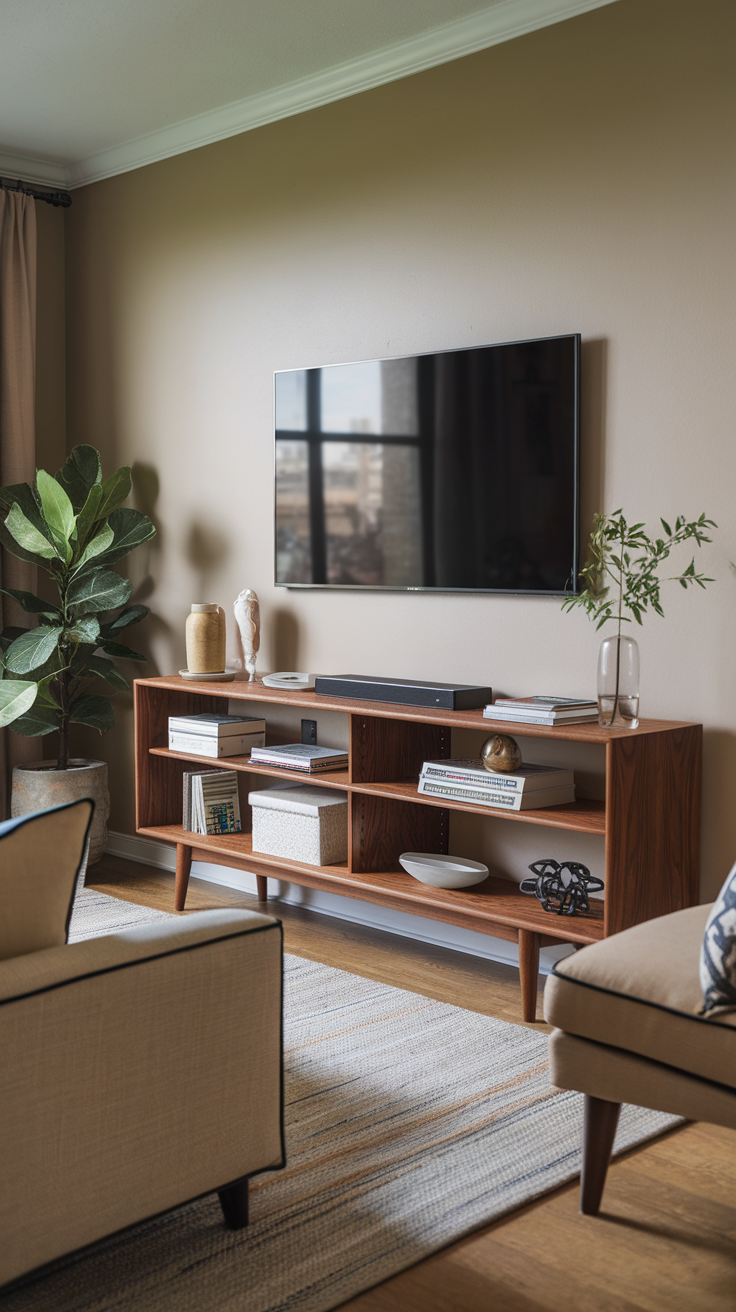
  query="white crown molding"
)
[
  {"x": 464, "y": 36},
  {"x": 33, "y": 170}
]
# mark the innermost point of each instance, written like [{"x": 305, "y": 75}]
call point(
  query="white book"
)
[
  {"x": 191, "y": 781},
  {"x": 300, "y": 756},
  {"x": 201, "y": 745},
  {"x": 210, "y": 724},
  {"x": 515, "y": 716},
  {"x": 215, "y": 803},
  {"x": 549, "y": 704},
  {"x": 528, "y": 778},
  {"x": 498, "y": 800}
]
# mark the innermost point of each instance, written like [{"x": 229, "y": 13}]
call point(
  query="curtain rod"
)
[{"x": 61, "y": 198}]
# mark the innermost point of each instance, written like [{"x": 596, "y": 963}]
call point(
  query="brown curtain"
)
[{"x": 17, "y": 420}]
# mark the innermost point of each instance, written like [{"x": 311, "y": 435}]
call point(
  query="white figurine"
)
[{"x": 248, "y": 618}]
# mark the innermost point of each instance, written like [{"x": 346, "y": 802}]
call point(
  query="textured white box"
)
[{"x": 300, "y": 823}]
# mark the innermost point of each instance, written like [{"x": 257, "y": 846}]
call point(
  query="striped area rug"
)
[{"x": 409, "y": 1123}]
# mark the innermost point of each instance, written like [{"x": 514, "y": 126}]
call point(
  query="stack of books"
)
[
  {"x": 529, "y": 788},
  {"x": 215, "y": 735},
  {"x": 302, "y": 757},
  {"x": 211, "y": 803},
  {"x": 542, "y": 710}
]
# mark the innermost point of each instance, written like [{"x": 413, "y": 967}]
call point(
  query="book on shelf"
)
[
  {"x": 527, "y": 779},
  {"x": 210, "y": 802},
  {"x": 301, "y": 756},
  {"x": 559, "y": 704},
  {"x": 217, "y": 726},
  {"x": 542, "y": 710},
  {"x": 497, "y": 799},
  {"x": 200, "y": 744}
]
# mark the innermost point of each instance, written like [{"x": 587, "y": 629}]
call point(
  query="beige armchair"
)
[
  {"x": 627, "y": 1031},
  {"x": 140, "y": 1070}
]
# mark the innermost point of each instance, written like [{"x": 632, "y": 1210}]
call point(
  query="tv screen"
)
[{"x": 456, "y": 471}]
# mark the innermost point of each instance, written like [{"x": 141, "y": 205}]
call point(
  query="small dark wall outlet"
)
[{"x": 309, "y": 732}]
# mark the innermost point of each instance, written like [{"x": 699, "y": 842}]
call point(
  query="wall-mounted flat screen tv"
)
[{"x": 456, "y": 471}]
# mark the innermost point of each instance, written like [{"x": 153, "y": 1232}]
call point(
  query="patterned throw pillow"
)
[{"x": 718, "y": 953}]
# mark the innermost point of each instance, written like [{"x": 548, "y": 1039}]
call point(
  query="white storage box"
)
[{"x": 301, "y": 823}]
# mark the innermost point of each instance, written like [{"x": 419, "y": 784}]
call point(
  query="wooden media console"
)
[{"x": 649, "y": 821}]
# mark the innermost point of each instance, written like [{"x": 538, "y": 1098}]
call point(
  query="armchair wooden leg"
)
[
  {"x": 599, "y": 1132},
  {"x": 262, "y": 886},
  {"x": 183, "y": 866},
  {"x": 528, "y": 972},
  {"x": 234, "y": 1203}
]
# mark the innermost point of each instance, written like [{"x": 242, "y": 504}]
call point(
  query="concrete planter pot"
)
[{"x": 40, "y": 784}]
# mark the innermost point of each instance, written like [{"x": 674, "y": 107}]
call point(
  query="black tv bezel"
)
[{"x": 432, "y": 588}]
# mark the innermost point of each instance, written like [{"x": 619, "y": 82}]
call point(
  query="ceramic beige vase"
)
[
  {"x": 205, "y": 639},
  {"x": 39, "y": 785}
]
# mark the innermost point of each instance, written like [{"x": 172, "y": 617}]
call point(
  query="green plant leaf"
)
[
  {"x": 100, "y": 589},
  {"x": 131, "y": 615},
  {"x": 58, "y": 512},
  {"x": 93, "y": 710},
  {"x": 32, "y": 649},
  {"x": 131, "y": 529},
  {"x": 115, "y": 489},
  {"x": 21, "y": 494},
  {"x": 45, "y": 697},
  {"x": 36, "y": 722},
  {"x": 31, "y": 603},
  {"x": 122, "y": 652},
  {"x": 104, "y": 669},
  {"x": 85, "y": 630},
  {"x": 88, "y": 514},
  {"x": 95, "y": 547},
  {"x": 29, "y": 537},
  {"x": 80, "y": 472},
  {"x": 16, "y": 697}
]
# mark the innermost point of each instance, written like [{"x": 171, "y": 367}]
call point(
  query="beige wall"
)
[{"x": 576, "y": 179}]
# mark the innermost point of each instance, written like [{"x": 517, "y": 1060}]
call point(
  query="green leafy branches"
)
[
  {"x": 73, "y": 526},
  {"x": 621, "y": 575}
]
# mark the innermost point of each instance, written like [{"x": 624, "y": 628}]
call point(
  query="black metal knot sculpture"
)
[{"x": 562, "y": 888}]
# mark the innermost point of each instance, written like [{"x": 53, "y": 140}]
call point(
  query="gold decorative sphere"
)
[{"x": 501, "y": 753}]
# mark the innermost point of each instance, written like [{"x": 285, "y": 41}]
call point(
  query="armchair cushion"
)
[
  {"x": 140, "y": 1070},
  {"x": 40, "y": 857},
  {"x": 639, "y": 991}
]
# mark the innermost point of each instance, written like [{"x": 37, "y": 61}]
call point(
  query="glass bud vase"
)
[{"x": 618, "y": 683}]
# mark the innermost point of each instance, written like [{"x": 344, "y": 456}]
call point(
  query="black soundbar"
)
[{"x": 404, "y": 692}]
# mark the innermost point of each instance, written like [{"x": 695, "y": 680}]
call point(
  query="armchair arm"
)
[{"x": 140, "y": 1070}]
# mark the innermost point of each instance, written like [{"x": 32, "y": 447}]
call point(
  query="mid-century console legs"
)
[
  {"x": 183, "y": 866},
  {"x": 528, "y": 972},
  {"x": 599, "y": 1132},
  {"x": 234, "y": 1203}
]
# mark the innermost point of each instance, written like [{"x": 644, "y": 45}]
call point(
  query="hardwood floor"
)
[{"x": 666, "y": 1238}]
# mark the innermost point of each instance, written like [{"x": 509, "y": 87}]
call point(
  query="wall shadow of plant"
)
[
  {"x": 206, "y": 550},
  {"x": 143, "y": 567}
]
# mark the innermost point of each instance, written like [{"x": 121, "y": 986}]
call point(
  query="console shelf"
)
[
  {"x": 649, "y": 821},
  {"x": 585, "y": 815}
]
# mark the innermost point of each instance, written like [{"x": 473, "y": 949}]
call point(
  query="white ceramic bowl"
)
[
  {"x": 287, "y": 679},
  {"x": 443, "y": 871}
]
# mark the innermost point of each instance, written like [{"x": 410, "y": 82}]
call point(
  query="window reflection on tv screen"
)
[{"x": 457, "y": 470}]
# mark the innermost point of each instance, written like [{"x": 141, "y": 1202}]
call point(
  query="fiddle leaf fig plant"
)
[{"x": 75, "y": 527}]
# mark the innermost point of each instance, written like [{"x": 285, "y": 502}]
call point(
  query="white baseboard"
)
[{"x": 152, "y": 853}]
